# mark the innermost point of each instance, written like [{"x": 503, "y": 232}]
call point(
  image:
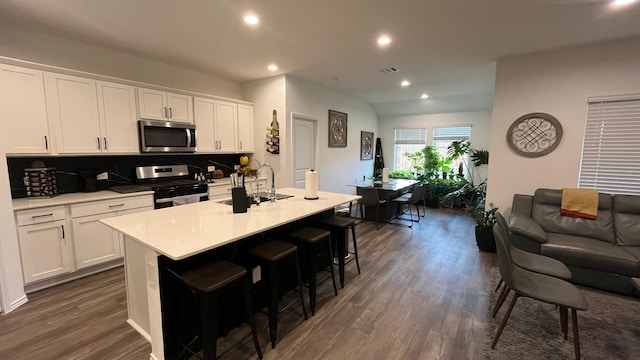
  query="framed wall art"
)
[
  {"x": 366, "y": 145},
  {"x": 337, "y": 129},
  {"x": 534, "y": 135}
]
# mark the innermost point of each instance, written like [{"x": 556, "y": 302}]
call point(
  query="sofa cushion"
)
[
  {"x": 635, "y": 251},
  {"x": 626, "y": 219},
  {"x": 546, "y": 212},
  {"x": 591, "y": 254}
]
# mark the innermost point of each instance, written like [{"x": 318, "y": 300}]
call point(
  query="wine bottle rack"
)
[{"x": 273, "y": 135}]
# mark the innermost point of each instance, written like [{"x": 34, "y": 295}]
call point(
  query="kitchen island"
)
[{"x": 177, "y": 234}]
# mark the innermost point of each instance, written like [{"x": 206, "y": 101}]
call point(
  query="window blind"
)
[
  {"x": 611, "y": 148},
  {"x": 452, "y": 133},
  {"x": 411, "y": 136}
]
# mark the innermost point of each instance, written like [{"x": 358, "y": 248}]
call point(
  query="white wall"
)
[
  {"x": 268, "y": 95},
  {"x": 337, "y": 167},
  {"x": 480, "y": 122},
  {"x": 11, "y": 284},
  {"x": 56, "y": 51},
  {"x": 559, "y": 83}
]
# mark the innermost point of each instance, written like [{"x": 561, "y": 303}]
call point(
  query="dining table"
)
[{"x": 386, "y": 191}]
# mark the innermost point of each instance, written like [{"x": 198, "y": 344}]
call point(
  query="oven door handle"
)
[{"x": 166, "y": 200}]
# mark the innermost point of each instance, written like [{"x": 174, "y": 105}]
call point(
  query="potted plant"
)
[
  {"x": 485, "y": 219},
  {"x": 469, "y": 194}
]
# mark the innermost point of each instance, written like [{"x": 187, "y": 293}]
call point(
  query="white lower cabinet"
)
[
  {"x": 45, "y": 241},
  {"x": 94, "y": 242},
  {"x": 63, "y": 239}
]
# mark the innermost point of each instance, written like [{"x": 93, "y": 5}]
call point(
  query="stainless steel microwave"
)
[{"x": 166, "y": 136}]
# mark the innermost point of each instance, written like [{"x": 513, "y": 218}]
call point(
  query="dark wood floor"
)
[{"x": 422, "y": 294}]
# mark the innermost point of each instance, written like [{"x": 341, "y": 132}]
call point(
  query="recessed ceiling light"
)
[
  {"x": 251, "y": 19},
  {"x": 384, "y": 40},
  {"x": 405, "y": 83},
  {"x": 272, "y": 67},
  {"x": 623, "y": 2},
  {"x": 424, "y": 96}
]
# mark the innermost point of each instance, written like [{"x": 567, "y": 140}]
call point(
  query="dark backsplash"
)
[{"x": 121, "y": 169}]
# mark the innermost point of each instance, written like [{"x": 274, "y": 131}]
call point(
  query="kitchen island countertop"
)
[{"x": 182, "y": 231}]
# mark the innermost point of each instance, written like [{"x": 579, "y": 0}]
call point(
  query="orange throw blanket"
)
[{"x": 582, "y": 203}]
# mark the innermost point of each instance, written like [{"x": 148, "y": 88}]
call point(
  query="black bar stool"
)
[
  {"x": 312, "y": 238},
  {"x": 205, "y": 282},
  {"x": 338, "y": 225},
  {"x": 270, "y": 255}
]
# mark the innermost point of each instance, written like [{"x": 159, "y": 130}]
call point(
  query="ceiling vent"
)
[{"x": 388, "y": 70}]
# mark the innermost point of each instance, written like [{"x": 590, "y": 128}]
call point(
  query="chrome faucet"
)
[{"x": 272, "y": 193}]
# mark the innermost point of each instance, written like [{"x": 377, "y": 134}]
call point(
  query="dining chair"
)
[
  {"x": 409, "y": 200},
  {"x": 547, "y": 289},
  {"x": 529, "y": 261},
  {"x": 370, "y": 198}
]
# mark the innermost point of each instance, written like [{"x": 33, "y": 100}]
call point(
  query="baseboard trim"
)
[
  {"x": 137, "y": 328},
  {"x": 57, "y": 280},
  {"x": 16, "y": 304}
]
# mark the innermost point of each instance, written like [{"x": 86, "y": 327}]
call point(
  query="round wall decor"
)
[{"x": 534, "y": 135}]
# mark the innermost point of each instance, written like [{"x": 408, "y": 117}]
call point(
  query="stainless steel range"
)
[{"x": 171, "y": 185}]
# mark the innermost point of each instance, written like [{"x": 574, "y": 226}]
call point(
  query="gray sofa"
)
[{"x": 602, "y": 253}]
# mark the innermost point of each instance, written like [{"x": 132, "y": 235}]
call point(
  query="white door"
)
[{"x": 304, "y": 148}]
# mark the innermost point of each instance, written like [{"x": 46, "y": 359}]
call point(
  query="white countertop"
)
[
  {"x": 182, "y": 231},
  {"x": 65, "y": 199}
]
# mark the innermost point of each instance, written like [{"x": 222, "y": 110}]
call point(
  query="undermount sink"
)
[{"x": 263, "y": 198}]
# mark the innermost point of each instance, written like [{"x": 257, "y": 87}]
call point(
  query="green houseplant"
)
[
  {"x": 485, "y": 219},
  {"x": 469, "y": 194}
]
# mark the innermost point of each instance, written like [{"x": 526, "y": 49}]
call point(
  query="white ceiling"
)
[{"x": 446, "y": 48}]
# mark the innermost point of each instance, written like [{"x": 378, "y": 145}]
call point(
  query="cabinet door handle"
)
[
  {"x": 116, "y": 205},
  {"x": 105, "y": 142},
  {"x": 41, "y": 216},
  {"x": 165, "y": 112},
  {"x": 46, "y": 143},
  {"x": 98, "y": 139},
  {"x": 240, "y": 145},
  {"x": 62, "y": 226},
  {"x": 170, "y": 113}
]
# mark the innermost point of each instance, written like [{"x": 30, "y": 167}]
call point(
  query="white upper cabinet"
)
[
  {"x": 245, "y": 128},
  {"x": 223, "y": 126},
  {"x": 23, "y": 112},
  {"x": 226, "y": 125},
  {"x": 204, "y": 110},
  {"x": 72, "y": 105},
  {"x": 180, "y": 107},
  {"x": 161, "y": 105},
  {"x": 91, "y": 116},
  {"x": 118, "y": 125}
]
